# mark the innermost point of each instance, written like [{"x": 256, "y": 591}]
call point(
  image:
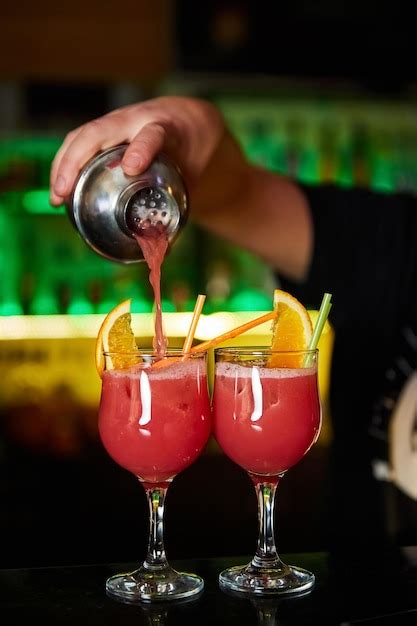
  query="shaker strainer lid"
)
[{"x": 152, "y": 209}]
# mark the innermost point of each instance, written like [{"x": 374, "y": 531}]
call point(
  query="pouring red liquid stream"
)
[{"x": 154, "y": 244}]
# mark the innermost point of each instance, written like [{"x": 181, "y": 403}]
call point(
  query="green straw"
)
[{"x": 325, "y": 307}]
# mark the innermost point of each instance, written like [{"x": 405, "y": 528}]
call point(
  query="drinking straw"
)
[
  {"x": 189, "y": 338},
  {"x": 211, "y": 343},
  {"x": 194, "y": 321},
  {"x": 325, "y": 307},
  {"x": 206, "y": 345}
]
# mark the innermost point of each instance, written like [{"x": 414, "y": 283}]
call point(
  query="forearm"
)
[
  {"x": 261, "y": 211},
  {"x": 251, "y": 207}
]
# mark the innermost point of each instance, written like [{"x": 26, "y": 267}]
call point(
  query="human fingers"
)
[
  {"x": 91, "y": 138},
  {"x": 55, "y": 199},
  {"x": 151, "y": 139}
]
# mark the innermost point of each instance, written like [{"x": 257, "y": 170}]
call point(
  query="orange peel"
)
[
  {"x": 116, "y": 337},
  {"x": 292, "y": 331}
]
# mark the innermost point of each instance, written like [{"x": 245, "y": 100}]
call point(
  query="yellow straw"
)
[{"x": 196, "y": 315}]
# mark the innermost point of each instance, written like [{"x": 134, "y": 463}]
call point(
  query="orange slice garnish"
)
[
  {"x": 116, "y": 336},
  {"x": 292, "y": 330}
]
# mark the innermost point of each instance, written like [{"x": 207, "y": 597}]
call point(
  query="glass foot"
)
[
  {"x": 153, "y": 585},
  {"x": 280, "y": 580}
]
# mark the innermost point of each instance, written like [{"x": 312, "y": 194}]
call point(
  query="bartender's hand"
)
[
  {"x": 188, "y": 130},
  {"x": 249, "y": 206}
]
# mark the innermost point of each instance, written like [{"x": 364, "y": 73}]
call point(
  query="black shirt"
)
[{"x": 365, "y": 254}]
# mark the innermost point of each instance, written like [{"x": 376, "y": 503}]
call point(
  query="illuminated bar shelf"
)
[{"x": 87, "y": 326}]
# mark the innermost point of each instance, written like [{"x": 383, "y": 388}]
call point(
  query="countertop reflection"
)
[{"x": 347, "y": 591}]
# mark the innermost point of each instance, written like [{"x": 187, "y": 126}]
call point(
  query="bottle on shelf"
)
[
  {"x": 45, "y": 300},
  {"x": 10, "y": 267},
  {"x": 79, "y": 303}
]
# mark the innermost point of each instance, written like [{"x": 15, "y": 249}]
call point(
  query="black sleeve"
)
[{"x": 364, "y": 253}]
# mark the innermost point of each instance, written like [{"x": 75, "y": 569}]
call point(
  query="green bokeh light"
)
[{"x": 37, "y": 202}]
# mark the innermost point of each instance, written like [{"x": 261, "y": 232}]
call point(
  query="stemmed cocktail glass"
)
[
  {"x": 154, "y": 421},
  {"x": 267, "y": 415}
]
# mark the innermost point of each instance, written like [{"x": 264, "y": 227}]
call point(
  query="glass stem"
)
[
  {"x": 266, "y": 553},
  {"x": 156, "y": 558}
]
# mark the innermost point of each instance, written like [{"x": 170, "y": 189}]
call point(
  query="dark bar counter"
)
[{"x": 356, "y": 590}]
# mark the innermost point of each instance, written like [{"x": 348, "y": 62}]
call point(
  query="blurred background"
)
[{"x": 321, "y": 91}]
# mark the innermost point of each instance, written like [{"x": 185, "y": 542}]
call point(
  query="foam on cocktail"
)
[
  {"x": 175, "y": 370},
  {"x": 245, "y": 371}
]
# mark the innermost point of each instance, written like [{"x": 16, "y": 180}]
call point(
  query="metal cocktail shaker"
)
[{"x": 107, "y": 206}]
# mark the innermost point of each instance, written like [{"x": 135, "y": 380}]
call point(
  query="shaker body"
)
[{"x": 107, "y": 206}]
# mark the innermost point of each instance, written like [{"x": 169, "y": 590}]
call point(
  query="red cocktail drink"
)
[
  {"x": 155, "y": 422},
  {"x": 265, "y": 419},
  {"x": 267, "y": 415}
]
